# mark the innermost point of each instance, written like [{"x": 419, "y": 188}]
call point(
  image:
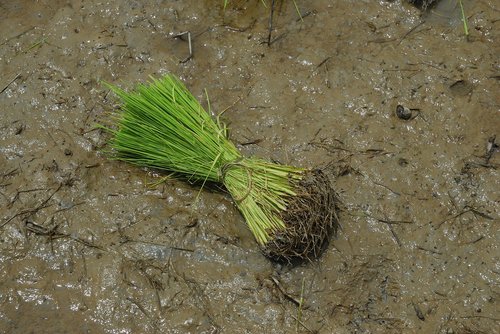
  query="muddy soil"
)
[{"x": 88, "y": 245}]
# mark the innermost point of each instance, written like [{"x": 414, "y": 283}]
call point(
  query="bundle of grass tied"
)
[{"x": 289, "y": 210}]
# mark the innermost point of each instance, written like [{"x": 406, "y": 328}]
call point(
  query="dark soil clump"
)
[
  {"x": 423, "y": 4},
  {"x": 310, "y": 219}
]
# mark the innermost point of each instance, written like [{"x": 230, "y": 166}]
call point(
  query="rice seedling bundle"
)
[{"x": 289, "y": 210}]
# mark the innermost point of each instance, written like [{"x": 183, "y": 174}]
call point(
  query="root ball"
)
[{"x": 310, "y": 219}]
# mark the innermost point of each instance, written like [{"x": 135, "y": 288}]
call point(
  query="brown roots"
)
[
  {"x": 310, "y": 218},
  {"x": 423, "y": 4}
]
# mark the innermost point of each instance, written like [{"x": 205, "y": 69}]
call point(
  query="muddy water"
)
[{"x": 88, "y": 247}]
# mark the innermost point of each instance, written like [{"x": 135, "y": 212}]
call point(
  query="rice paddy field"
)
[{"x": 398, "y": 107}]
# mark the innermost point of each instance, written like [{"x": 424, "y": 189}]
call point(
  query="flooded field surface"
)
[{"x": 398, "y": 107}]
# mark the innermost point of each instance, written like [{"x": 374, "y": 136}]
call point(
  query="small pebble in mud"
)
[
  {"x": 19, "y": 129},
  {"x": 403, "y": 162},
  {"x": 68, "y": 152},
  {"x": 403, "y": 113},
  {"x": 418, "y": 311}
]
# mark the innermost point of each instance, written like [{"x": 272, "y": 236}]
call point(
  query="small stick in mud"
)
[
  {"x": 10, "y": 82},
  {"x": 398, "y": 241},
  {"x": 465, "y": 210},
  {"x": 152, "y": 321},
  {"x": 53, "y": 234},
  {"x": 270, "y": 24},
  {"x": 301, "y": 302},
  {"x": 410, "y": 31},
  {"x": 181, "y": 35},
  {"x": 429, "y": 250},
  {"x": 34, "y": 210},
  {"x": 491, "y": 148},
  {"x": 286, "y": 294},
  {"x": 19, "y": 192},
  {"x": 303, "y": 325}
]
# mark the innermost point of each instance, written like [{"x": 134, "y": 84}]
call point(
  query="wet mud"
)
[{"x": 89, "y": 245}]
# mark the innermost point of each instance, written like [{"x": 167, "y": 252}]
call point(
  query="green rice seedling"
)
[
  {"x": 289, "y": 210},
  {"x": 464, "y": 18}
]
